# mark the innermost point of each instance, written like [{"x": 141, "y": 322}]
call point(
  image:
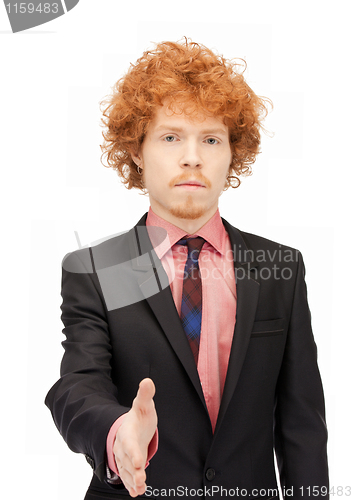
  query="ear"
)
[{"x": 136, "y": 158}]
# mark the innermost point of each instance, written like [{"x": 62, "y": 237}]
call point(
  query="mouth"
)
[{"x": 190, "y": 185}]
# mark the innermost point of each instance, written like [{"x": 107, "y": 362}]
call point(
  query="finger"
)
[
  {"x": 139, "y": 481},
  {"x": 135, "y": 493},
  {"x": 132, "y": 492},
  {"x": 132, "y": 463},
  {"x": 135, "y": 481},
  {"x": 126, "y": 478},
  {"x": 145, "y": 392},
  {"x": 130, "y": 488}
]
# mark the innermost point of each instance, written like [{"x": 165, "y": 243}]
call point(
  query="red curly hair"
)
[{"x": 191, "y": 76}]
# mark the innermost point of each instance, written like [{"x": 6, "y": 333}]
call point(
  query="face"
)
[{"x": 185, "y": 163}]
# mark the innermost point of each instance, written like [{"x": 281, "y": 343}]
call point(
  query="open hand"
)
[{"x": 133, "y": 437}]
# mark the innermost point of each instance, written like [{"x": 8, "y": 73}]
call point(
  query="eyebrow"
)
[{"x": 179, "y": 129}]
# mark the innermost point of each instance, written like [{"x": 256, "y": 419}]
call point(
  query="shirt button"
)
[{"x": 210, "y": 474}]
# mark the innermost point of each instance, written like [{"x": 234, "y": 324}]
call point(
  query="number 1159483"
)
[{"x": 30, "y": 8}]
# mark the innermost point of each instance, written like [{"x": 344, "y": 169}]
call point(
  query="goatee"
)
[{"x": 188, "y": 210}]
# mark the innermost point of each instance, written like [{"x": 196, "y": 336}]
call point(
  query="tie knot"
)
[{"x": 194, "y": 247}]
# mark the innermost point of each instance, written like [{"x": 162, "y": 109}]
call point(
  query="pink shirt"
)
[{"x": 218, "y": 295}]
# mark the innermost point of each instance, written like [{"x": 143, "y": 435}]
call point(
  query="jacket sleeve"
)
[
  {"x": 84, "y": 401},
  {"x": 300, "y": 428}
]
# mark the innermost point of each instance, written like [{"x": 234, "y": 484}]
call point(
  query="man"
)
[{"x": 189, "y": 354}]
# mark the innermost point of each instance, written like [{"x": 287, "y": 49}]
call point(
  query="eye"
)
[
  {"x": 212, "y": 140},
  {"x": 169, "y": 138}
]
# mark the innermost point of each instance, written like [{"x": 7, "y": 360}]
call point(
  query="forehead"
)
[{"x": 164, "y": 117}]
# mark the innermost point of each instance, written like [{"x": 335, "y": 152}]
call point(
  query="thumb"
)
[{"x": 145, "y": 392}]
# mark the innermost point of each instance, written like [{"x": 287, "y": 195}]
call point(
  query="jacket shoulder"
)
[
  {"x": 251, "y": 247},
  {"x": 256, "y": 241},
  {"x": 106, "y": 252}
]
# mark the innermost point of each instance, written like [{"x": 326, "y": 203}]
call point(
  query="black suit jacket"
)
[{"x": 121, "y": 325}]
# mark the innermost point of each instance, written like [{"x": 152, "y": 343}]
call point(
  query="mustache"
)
[{"x": 197, "y": 176}]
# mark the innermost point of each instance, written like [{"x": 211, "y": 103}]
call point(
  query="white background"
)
[{"x": 52, "y": 184}]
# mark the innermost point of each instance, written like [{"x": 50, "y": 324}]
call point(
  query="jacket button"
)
[{"x": 210, "y": 474}]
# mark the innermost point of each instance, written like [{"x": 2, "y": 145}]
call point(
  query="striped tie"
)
[{"x": 191, "y": 303}]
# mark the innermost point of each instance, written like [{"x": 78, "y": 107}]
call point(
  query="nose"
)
[{"x": 191, "y": 155}]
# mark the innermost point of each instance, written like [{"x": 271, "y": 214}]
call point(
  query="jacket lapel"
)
[
  {"x": 247, "y": 290},
  {"x": 154, "y": 285}
]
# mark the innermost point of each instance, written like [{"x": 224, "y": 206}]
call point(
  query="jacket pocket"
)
[{"x": 268, "y": 328}]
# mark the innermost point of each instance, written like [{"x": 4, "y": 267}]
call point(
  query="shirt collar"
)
[{"x": 213, "y": 232}]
